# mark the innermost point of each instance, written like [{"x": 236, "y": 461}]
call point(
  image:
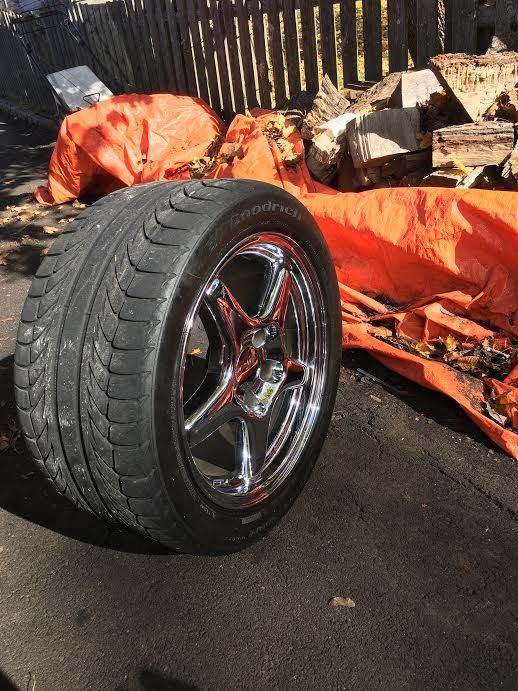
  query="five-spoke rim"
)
[{"x": 263, "y": 370}]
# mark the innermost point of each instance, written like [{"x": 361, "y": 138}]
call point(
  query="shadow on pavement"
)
[
  {"x": 7, "y": 685},
  {"x": 425, "y": 402},
  {"x": 26, "y": 493}
]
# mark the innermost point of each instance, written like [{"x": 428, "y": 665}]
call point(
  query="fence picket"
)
[
  {"x": 263, "y": 73},
  {"x": 349, "y": 40},
  {"x": 328, "y": 39},
  {"x": 276, "y": 51},
  {"x": 176, "y": 51},
  {"x": 201, "y": 73},
  {"x": 208, "y": 50},
  {"x": 309, "y": 45},
  {"x": 185, "y": 42},
  {"x": 233, "y": 54},
  {"x": 461, "y": 26},
  {"x": 397, "y": 35},
  {"x": 219, "y": 44},
  {"x": 292, "y": 47},
  {"x": 246, "y": 52},
  {"x": 427, "y": 24},
  {"x": 372, "y": 39}
]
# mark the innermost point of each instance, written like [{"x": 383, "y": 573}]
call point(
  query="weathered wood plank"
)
[
  {"x": 233, "y": 55},
  {"x": 397, "y": 35},
  {"x": 276, "y": 52},
  {"x": 138, "y": 61},
  {"x": 427, "y": 24},
  {"x": 164, "y": 47},
  {"x": 328, "y": 39},
  {"x": 309, "y": 45},
  {"x": 119, "y": 22},
  {"x": 292, "y": 47},
  {"x": 372, "y": 39},
  {"x": 461, "y": 26},
  {"x": 349, "y": 40},
  {"x": 219, "y": 42},
  {"x": 208, "y": 50},
  {"x": 246, "y": 53},
  {"x": 144, "y": 43},
  {"x": 506, "y": 26},
  {"x": 185, "y": 42},
  {"x": 176, "y": 48},
  {"x": 263, "y": 73},
  {"x": 199, "y": 57}
]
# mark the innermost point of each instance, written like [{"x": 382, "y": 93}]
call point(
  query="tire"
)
[{"x": 102, "y": 370}]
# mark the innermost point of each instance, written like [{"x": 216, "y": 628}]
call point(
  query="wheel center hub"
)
[{"x": 260, "y": 392}]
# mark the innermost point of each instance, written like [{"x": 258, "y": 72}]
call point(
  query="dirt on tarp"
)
[{"x": 428, "y": 276}]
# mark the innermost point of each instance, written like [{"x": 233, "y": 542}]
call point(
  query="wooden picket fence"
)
[{"x": 235, "y": 54}]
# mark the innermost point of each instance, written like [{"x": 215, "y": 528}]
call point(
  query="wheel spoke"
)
[
  {"x": 275, "y": 300},
  {"x": 224, "y": 316},
  {"x": 213, "y": 413},
  {"x": 252, "y": 444}
]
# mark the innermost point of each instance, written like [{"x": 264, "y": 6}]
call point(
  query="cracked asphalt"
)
[{"x": 410, "y": 512}]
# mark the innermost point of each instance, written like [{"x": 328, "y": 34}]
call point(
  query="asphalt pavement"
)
[{"x": 411, "y": 513}]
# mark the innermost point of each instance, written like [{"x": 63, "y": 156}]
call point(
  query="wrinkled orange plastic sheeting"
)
[
  {"x": 450, "y": 255},
  {"x": 127, "y": 140}
]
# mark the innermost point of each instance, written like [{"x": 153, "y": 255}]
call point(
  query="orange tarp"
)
[{"x": 450, "y": 256}]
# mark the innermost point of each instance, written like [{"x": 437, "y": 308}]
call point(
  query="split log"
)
[
  {"x": 476, "y": 80},
  {"x": 377, "y": 137},
  {"x": 474, "y": 144},
  {"x": 328, "y": 104},
  {"x": 378, "y": 96},
  {"x": 402, "y": 165},
  {"x": 415, "y": 87}
]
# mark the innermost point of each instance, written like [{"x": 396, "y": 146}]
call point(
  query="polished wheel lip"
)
[{"x": 254, "y": 479}]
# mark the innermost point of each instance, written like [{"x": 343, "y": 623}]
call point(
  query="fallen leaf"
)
[
  {"x": 44, "y": 250},
  {"x": 27, "y": 241},
  {"x": 341, "y": 602},
  {"x": 17, "y": 209},
  {"x": 424, "y": 348},
  {"x": 50, "y": 230},
  {"x": 78, "y": 205},
  {"x": 4, "y": 220},
  {"x": 450, "y": 343},
  {"x": 496, "y": 415},
  {"x": 379, "y": 331},
  {"x": 25, "y": 217},
  {"x": 466, "y": 363},
  {"x": 3, "y": 257},
  {"x": 196, "y": 351},
  {"x": 375, "y": 398}
]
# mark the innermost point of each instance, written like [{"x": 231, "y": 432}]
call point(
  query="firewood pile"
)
[{"x": 454, "y": 124}]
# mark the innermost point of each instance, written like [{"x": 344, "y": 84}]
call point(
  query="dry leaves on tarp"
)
[
  {"x": 50, "y": 230},
  {"x": 78, "y": 205},
  {"x": 277, "y": 130},
  {"x": 339, "y": 601}
]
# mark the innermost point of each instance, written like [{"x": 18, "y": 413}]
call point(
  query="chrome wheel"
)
[{"x": 253, "y": 363}]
